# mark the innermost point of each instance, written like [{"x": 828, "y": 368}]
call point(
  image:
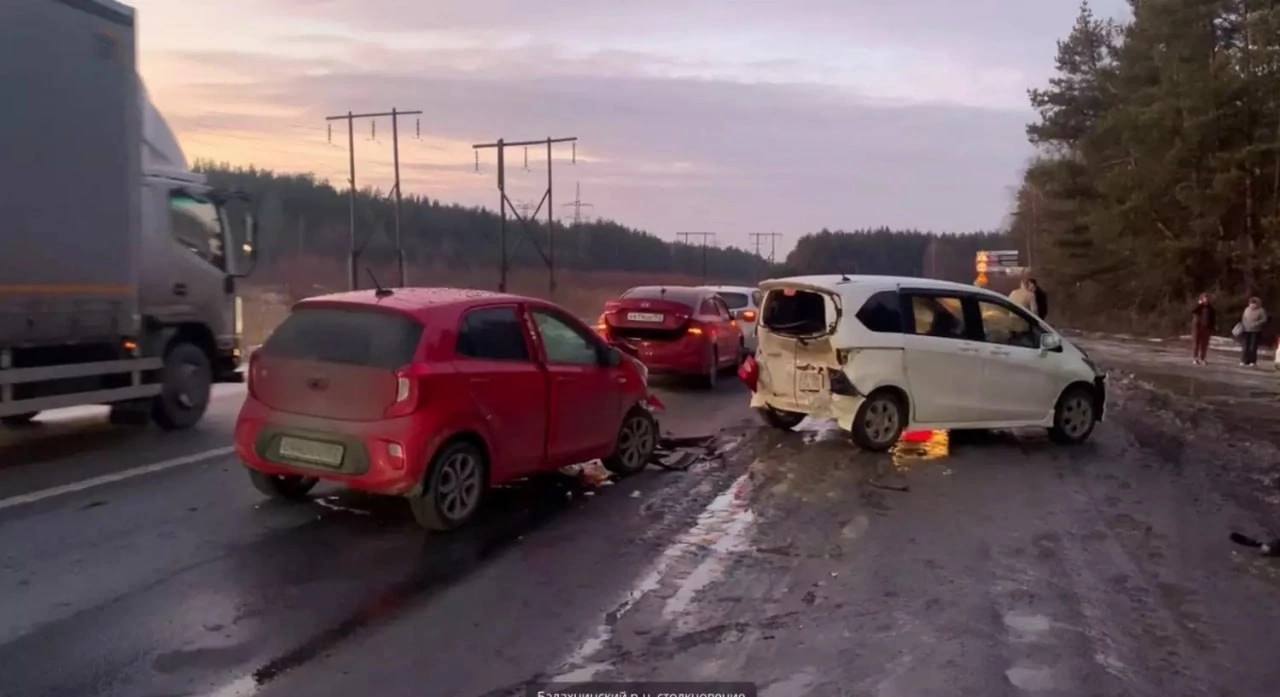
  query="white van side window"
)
[{"x": 938, "y": 316}]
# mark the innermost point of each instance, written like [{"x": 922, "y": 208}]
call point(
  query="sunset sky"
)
[{"x": 726, "y": 117}]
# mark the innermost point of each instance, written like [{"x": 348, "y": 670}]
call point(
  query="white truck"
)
[{"x": 118, "y": 265}]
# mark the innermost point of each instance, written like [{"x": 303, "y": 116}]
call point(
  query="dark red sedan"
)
[
  {"x": 437, "y": 395},
  {"x": 675, "y": 330}
]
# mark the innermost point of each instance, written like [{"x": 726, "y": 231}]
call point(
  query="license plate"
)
[
  {"x": 809, "y": 380},
  {"x": 644, "y": 316},
  {"x": 301, "y": 449}
]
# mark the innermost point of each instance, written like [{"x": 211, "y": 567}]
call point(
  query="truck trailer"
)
[{"x": 118, "y": 264}]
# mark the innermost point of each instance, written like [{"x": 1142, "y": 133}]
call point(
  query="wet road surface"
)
[{"x": 986, "y": 564}]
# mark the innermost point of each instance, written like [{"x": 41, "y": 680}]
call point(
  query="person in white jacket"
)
[
  {"x": 1024, "y": 296},
  {"x": 1252, "y": 321}
]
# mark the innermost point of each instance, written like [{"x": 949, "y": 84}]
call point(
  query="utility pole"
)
[
  {"x": 353, "y": 276},
  {"x": 577, "y": 204},
  {"x": 503, "y": 202},
  {"x": 704, "y": 236},
  {"x": 773, "y": 242},
  {"x": 757, "y": 237}
]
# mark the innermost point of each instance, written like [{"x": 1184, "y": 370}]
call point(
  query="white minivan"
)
[{"x": 880, "y": 354}]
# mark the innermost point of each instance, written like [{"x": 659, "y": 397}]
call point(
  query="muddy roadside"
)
[{"x": 1222, "y": 418}]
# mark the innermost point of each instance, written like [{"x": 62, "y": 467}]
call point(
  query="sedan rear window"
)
[
  {"x": 369, "y": 338},
  {"x": 796, "y": 312},
  {"x": 735, "y": 301}
]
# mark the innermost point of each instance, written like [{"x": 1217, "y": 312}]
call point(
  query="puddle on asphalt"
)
[
  {"x": 1031, "y": 678},
  {"x": 722, "y": 530},
  {"x": 796, "y": 684},
  {"x": 1027, "y": 624}
]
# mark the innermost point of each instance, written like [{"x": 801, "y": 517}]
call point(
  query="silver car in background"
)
[{"x": 744, "y": 305}]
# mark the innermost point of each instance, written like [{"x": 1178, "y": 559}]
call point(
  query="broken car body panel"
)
[{"x": 975, "y": 377}]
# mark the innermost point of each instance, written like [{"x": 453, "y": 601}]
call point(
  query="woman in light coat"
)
[{"x": 1252, "y": 320}]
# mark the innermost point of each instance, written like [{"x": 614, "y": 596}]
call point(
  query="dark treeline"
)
[
  {"x": 301, "y": 216},
  {"x": 893, "y": 253},
  {"x": 1159, "y": 174}
]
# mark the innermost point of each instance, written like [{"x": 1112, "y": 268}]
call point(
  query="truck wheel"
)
[
  {"x": 879, "y": 422},
  {"x": 636, "y": 440},
  {"x": 781, "y": 420},
  {"x": 184, "y": 395},
  {"x": 456, "y": 484},
  {"x": 282, "y": 486},
  {"x": 18, "y": 419}
]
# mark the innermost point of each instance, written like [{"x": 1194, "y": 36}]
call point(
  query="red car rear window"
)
[
  {"x": 684, "y": 296},
  {"x": 369, "y": 338}
]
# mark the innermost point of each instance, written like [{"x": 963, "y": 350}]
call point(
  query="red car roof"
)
[{"x": 411, "y": 300}]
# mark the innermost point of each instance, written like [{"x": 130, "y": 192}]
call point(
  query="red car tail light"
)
[
  {"x": 256, "y": 373},
  {"x": 406, "y": 394},
  {"x": 749, "y": 372},
  {"x": 695, "y": 330}
]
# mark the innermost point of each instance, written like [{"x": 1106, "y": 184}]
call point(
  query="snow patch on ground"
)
[{"x": 721, "y": 530}]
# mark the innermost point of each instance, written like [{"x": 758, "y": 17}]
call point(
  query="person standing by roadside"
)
[
  {"x": 1024, "y": 296},
  {"x": 1042, "y": 299},
  {"x": 1204, "y": 320},
  {"x": 1252, "y": 320}
]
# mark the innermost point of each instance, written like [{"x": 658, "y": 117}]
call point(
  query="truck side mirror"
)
[{"x": 248, "y": 252}]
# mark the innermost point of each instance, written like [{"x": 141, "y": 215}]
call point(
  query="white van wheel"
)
[
  {"x": 879, "y": 422},
  {"x": 1074, "y": 417}
]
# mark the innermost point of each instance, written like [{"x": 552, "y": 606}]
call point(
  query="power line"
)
[
  {"x": 577, "y": 204},
  {"x": 757, "y": 237},
  {"x": 704, "y": 236},
  {"x": 353, "y": 279},
  {"x": 549, "y": 258}
]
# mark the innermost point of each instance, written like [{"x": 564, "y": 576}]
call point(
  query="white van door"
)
[
  {"x": 1021, "y": 382},
  {"x": 795, "y": 347},
  {"x": 944, "y": 365}
]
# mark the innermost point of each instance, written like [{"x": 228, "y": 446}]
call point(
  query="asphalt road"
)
[{"x": 134, "y": 562}]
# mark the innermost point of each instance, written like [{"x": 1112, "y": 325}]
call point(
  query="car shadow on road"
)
[
  {"x": 39, "y": 441},
  {"x": 362, "y": 537}
]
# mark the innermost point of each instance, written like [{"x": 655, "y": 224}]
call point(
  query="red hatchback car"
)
[
  {"x": 437, "y": 395},
  {"x": 675, "y": 330}
]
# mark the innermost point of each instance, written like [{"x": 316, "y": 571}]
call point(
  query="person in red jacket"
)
[{"x": 1203, "y": 322}]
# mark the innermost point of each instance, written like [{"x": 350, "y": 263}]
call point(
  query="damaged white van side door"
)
[{"x": 809, "y": 362}]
